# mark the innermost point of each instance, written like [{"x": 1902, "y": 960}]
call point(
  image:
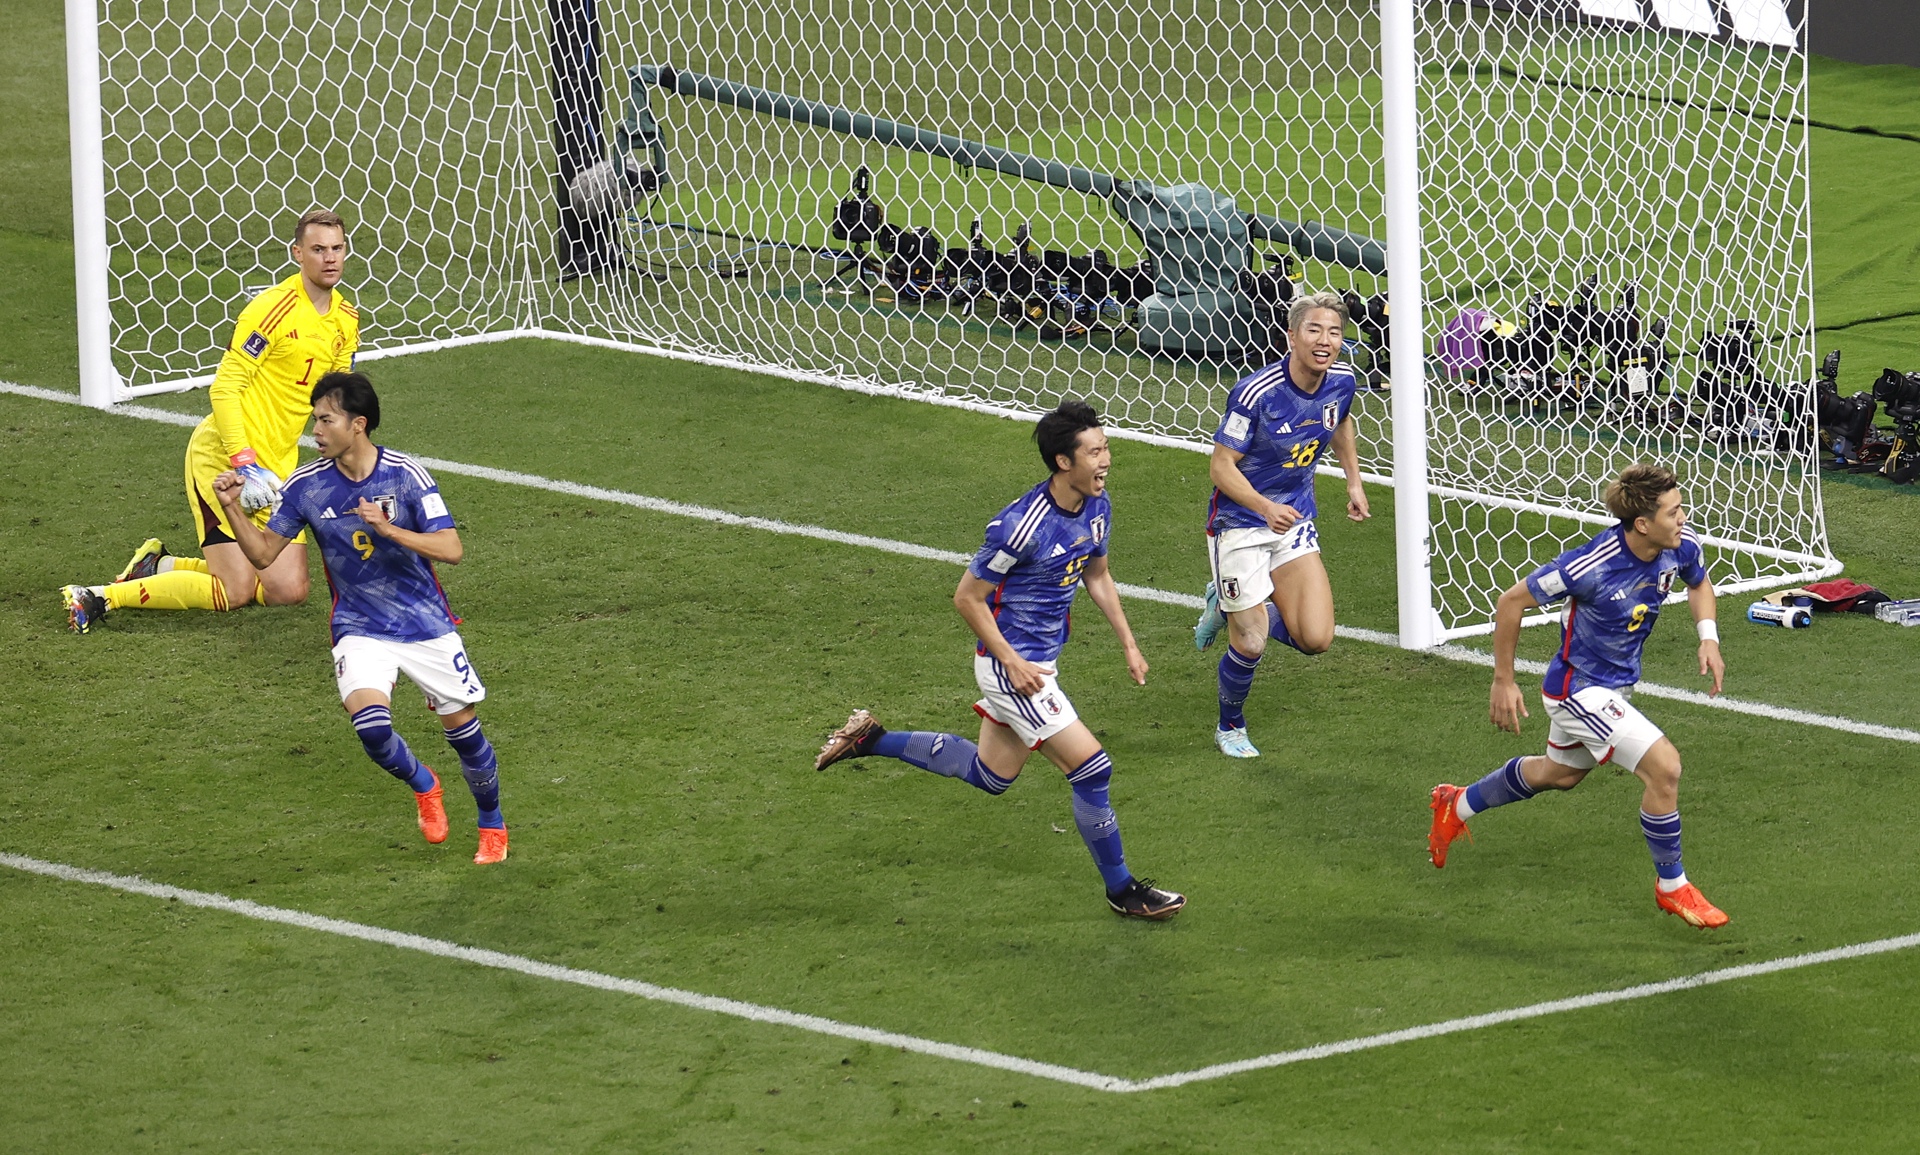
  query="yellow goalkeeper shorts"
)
[{"x": 206, "y": 460}]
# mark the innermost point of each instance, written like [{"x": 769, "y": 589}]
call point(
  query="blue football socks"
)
[
  {"x": 1093, "y": 814},
  {"x": 481, "y": 771},
  {"x": 389, "y": 750},
  {"x": 1236, "y": 682},
  {"x": 1663, "y": 840},
  {"x": 948, "y": 755},
  {"x": 1277, "y": 628},
  {"x": 1498, "y": 788}
]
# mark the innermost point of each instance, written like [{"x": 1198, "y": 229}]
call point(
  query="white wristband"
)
[{"x": 1708, "y": 629}]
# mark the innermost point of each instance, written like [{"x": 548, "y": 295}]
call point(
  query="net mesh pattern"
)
[{"x": 1565, "y": 163}]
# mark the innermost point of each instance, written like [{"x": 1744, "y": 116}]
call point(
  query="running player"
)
[
  {"x": 1016, "y": 596},
  {"x": 286, "y": 339},
  {"x": 1614, "y": 586},
  {"x": 1268, "y": 581},
  {"x": 381, "y": 524}
]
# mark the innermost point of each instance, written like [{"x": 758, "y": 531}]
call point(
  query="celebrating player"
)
[
  {"x": 286, "y": 339},
  {"x": 1615, "y": 585},
  {"x": 381, "y": 523},
  {"x": 1268, "y": 581},
  {"x": 1016, "y": 596}
]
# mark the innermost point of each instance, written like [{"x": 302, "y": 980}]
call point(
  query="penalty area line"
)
[
  {"x": 928, "y": 553},
  {"x": 758, "y": 1013}
]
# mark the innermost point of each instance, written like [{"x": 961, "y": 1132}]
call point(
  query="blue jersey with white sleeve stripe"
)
[
  {"x": 1283, "y": 432},
  {"x": 1035, "y": 553},
  {"x": 381, "y": 589},
  {"x": 1613, "y": 599}
]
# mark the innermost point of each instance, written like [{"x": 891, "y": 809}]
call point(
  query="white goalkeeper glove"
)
[{"x": 260, "y": 487}]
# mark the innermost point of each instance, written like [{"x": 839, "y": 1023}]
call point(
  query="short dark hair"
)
[
  {"x": 353, "y": 394},
  {"x": 325, "y": 218},
  {"x": 1058, "y": 433},
  {"x": 1636, "y": 493}
]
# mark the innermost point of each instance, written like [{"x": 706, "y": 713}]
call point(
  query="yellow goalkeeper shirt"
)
[{"x": 262, "y": 394}]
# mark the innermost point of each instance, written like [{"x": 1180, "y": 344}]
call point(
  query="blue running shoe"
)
[
  {"x": 1235, "y": 743},
  {"x": 1211, "y": 622}
]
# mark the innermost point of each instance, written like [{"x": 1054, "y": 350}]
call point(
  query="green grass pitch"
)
[{"x": 658, "y": 686}]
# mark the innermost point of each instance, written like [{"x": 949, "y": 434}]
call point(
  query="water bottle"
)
[
  {"x": 1907, "y": 613},
  {"x": 1791, "y": 617}
]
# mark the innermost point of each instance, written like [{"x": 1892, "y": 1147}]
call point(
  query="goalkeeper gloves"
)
[{"x": 261, "y": 486}]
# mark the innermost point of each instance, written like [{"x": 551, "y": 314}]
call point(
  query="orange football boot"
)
[
  {"x": 433, "y": 812},
  {"x": 493, "y": 846},
  {"x": 1690, "y": 904},
  {"x": 1447, "y": 823}
]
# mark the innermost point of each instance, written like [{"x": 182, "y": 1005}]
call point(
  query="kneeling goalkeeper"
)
[{"x": 286, "y": 339}]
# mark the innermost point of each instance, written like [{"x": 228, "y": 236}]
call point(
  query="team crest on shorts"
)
[
  {"x": 1614, "y": 710},
  {"x": 1052, "y": 705},
  {"x": 1230, "y": 589},
  {"x": 1330, "y": 414}
]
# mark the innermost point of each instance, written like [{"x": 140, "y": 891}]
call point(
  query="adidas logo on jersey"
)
[
  {"x": 1619, "y": 595},
  {"x": 327, "y": 513},
  {"x": 1285, "y": 428},
  {"x": 1058, "y": 549}
]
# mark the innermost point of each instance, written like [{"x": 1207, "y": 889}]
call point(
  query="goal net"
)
[{"x": 994, "y": 206}]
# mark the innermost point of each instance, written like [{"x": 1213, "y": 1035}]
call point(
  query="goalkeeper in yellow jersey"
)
[{"x": 286, "y": 339}]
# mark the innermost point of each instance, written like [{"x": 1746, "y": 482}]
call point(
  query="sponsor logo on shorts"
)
[
  {"x": 255, "y": 344},
  {"x": 1230, "y": 589}
]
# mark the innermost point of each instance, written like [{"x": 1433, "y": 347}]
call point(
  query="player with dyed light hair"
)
[
  {"x": 1614, "y": 587},
  {"x": 286, "y": 339},
  {"x": 1268, "y": 581},
  {"x": 1016, "y": 596},
  {"x": 381, "y": 524}
]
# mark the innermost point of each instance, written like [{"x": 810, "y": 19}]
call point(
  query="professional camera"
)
[
  {"x": 858, "y": 220},
  {"x": 1371, "y": 316},
  {"x": 1900, "y": 394},
  {"x": 1843, "y": 425},
  {"x": 1739, "y": 404}
]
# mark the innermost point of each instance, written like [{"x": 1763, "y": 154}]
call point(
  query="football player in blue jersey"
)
[
  {"x": 1016, "y": 597},
  {"x": 1268, "y": 581},
  {"x": 381, "y": 524},
  {"x": 1614, "y": 587}
]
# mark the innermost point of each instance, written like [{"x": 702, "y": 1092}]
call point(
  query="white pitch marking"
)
[
  {"x": 928, "y": 553},
  {"x": 526, "y": 966},
  {"x": 755, "y": 1012}
]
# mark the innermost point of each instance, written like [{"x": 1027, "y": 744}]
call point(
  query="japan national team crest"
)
[
  {"x": 1330, "y": 415},
  {"x": 387, "y": 503},
  {"x": 1050, "y": 703},
  {"x": 1230, "y": 589},
  {"x": 1099, "y": 527},
  {"x": 1666, "y": 580},
  {"x": 1613, "y": 710}
]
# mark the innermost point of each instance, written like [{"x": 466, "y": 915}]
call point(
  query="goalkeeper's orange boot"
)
[
  {"x": 1447, "y": 823},
  {"x": 433, "y": 812},
  {"x": 493, "y": 846},
  {"x": 1690, "y": 904}
]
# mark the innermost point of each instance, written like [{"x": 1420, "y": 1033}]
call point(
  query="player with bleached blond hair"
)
[
  {"x": 286, "y": 339},
  {"x": 1268, "y": 582},
  {"x": 1614, "y": 587}
]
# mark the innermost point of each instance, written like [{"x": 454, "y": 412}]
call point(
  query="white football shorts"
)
[
  {"x": 1034, "y": 719},
  {"x": 439, "y": 667},
  {"x": 1244, "y": 559},
  {"x": 1594, "y": 725}
]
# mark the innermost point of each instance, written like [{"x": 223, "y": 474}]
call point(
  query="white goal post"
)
[{"x": 1575, "y": 233}]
